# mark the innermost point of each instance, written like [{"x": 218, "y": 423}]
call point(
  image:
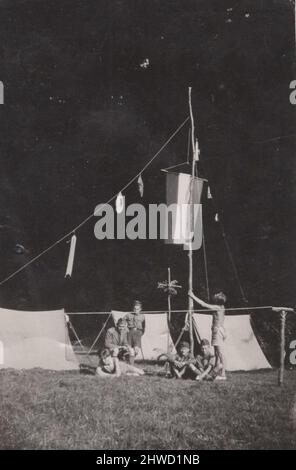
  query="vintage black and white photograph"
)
[{"x": 147, "y": 226}]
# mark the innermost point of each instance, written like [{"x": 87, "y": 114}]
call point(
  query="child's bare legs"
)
[
  {"x": 128, "y": 369},
  {"x": 132, "y": 370},
  {"x": 177, "y": 372},
  {"x": 194, "y": 369},
  {"x": 220, "y": 360}
]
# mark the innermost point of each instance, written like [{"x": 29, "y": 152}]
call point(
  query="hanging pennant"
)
[
  {"x": 71, "y": 257},
  {"x": 217, "y": 217},
  {"x": 196, "y": 151},
  {"x": 141, "y": 185},
  {"x": 209, "y": 193},
  {"x": 119, "y": 203}
]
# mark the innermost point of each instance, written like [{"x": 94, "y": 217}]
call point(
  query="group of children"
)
[
  {"x": 201, "y": 367},
  {"x": 207, "y": 365},
  {"x": 123, "y": 342}
]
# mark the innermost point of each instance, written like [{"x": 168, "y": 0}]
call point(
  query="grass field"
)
[{"x": 64, "y": 410}]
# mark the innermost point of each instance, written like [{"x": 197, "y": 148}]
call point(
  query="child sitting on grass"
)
[
  {"x": 204, "y": 366},
  {"x": 110, "y": 366},
  {"x": 181, "y": 364}
]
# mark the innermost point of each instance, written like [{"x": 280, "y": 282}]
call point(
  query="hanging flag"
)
[
  {"x": 217, "y": 217},
  {"x": 209, "y": 193},
  {"x": 184, "y": 226},
  {"x": 196, "y": 151},
  {"x": 71, "y": 257},
  {"x": 141, "y": 185},
  {"x": 119, "y": 203}
]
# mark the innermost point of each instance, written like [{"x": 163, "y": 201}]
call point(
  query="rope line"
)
[
  {"x": 64, "y": 237},
  {"x": 235, "y": 271},
  {"x": 75, "y": 334},
  {"x": 264, "y": 307},
  {"x": 229, "y": 252}
]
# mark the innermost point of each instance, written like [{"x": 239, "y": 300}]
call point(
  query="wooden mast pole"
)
[
  {"x": 169, "y": 309},
  {"x": 190, "y": 257}
]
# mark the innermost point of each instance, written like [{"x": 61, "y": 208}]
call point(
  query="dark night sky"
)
[{"x": 81, "y": 117}]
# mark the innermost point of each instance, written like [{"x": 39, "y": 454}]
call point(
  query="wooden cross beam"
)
[{"x": 282, "y": 309}]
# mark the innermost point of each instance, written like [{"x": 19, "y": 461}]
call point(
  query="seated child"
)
[
  {"x": 180, "y": 365},
  {"x": 204, "y": 366},
  {"x": 116, "y": 340},
  {"x": 110, "y": 366}
]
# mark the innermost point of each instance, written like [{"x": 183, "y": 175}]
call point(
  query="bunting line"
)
[{"x": 72, "y": 232}]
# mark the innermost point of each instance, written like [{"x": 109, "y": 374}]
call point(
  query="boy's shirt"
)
[
  {"x": 184, "y": 360},
  {"x": 115, "y": 338},
  {"x": 136, "y": 321}
]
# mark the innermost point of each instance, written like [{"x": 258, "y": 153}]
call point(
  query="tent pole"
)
[
  {"x": 190, "y": 257},
  {"x": 282, "y": 348},
  {"x": 76, "y": 335},
  {"x": 99, "y": 334}
]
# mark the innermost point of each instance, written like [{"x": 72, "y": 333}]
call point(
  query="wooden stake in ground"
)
[{"x": 283, "y": 314}]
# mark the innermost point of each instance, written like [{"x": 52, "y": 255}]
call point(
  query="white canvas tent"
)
[
  {"x": 156, "y": 336},
  {"x": 35, "y": 339},
  {"x": 242, "y": 349}
]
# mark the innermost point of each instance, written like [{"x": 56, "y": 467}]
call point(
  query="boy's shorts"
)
[
  {"x": 134, "y": 338},
  {"x": 218, "y": 336}
]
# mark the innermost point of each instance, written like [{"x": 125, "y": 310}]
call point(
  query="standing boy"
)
[{"x": 136, "y": 327}]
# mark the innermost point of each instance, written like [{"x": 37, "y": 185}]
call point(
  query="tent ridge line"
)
[{"x": 205, "y": 312}]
